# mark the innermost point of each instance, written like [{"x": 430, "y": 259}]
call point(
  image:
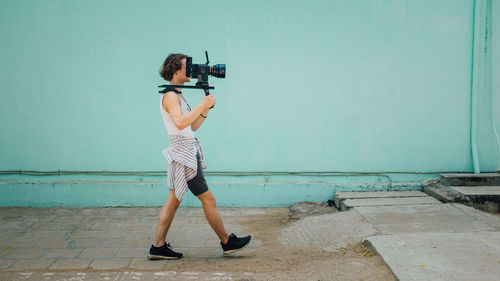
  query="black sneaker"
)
[
  {"x": 163, "y": 252},
  {"x": 235, "y": 244}
]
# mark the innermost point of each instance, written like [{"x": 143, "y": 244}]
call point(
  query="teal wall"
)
[{"x": 345, "y": 85}]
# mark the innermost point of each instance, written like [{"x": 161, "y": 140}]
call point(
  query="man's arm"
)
[
  {"x": 197, "y": 123},
  {"x": 172, "y": 105}
]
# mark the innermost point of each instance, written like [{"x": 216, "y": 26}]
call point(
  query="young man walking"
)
[{"x": 186, "y": 163}]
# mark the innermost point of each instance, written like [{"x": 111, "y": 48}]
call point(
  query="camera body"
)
[{"x": 201, "y": 71}]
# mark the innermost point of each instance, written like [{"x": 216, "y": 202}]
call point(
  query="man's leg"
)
[
  {"x": 208, "y": 201},
  {"x": 165, "y": 219}
]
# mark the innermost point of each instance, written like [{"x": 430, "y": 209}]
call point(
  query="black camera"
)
[{"x": 201, "y": 72}]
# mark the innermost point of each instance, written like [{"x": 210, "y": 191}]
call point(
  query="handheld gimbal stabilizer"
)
[{"x": 201, "y": 72}]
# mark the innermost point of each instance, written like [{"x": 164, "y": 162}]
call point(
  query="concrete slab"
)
[
  {"x": 410, "y": 208},
  {"x": 442, "y": 192},
  {"x": 484, "y": 197},
  {"x": 470, "y": 179},
  {"x": 384, "y": 217},
  {"x": 440, "y": 256},
  {"x": 351, "y": 203},
  {"x": 491, "y": 220},
  {"x": 339, "y": 196},
  {"x": 425, "y": 218},
  {"x": 464, "y": 225},
  {"x": 477, "y": 190}
]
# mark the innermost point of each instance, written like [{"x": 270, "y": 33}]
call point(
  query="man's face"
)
[{"x": 182, "y": 72}]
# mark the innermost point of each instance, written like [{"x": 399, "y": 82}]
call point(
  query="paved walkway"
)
[
  {"x": 424, "y": 241},
  {"x": 129, "y": 276},
  {"x": 105, "y": 238},
  {"x": 56, "y": 244}
]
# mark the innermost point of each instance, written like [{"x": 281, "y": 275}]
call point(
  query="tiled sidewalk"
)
[
  {"x": 131, "y": 276},
  {"x": 106, "y": 238}
]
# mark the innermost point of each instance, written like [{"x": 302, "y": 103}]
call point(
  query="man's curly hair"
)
[{"x": 172, "y": 63}]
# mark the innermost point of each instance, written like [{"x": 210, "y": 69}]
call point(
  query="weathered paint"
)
[
  {"x": 233, "y": 192},
  {"x": 495, "y": 71},
  {"x": 361, "y": 85},
  {"x": 484, "y": 139}
]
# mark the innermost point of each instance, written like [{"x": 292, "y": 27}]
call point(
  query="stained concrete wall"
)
[{"x": 343, "y": 86}]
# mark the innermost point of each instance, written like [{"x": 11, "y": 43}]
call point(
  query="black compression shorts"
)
[{"x": 198, "y": 185}]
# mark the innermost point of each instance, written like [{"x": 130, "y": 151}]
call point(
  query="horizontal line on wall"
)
[
  {"x": 216, "y": 173},
  {"x": 219, "y": 183}
]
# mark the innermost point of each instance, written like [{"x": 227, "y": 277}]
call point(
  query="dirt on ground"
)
[
  {"x": 278, "y": 262},
  {"x": 272, "y": 260}
]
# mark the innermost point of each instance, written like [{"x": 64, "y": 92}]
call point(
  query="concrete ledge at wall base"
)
[
  {"x": 469, "y": 190},
  {"x": 469, "y": 179},
  {"x": 21, "y": 193}
]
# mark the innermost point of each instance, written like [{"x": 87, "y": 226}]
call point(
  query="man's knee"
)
[
  {"x": 173, "y": 202},
  {"x": 208, "y": 199}
]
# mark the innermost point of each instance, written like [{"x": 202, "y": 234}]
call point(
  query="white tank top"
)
[{"x": 169, "y": 122}]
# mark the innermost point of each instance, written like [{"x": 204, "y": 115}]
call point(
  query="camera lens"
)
[{"x": 218, "y": 70}]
